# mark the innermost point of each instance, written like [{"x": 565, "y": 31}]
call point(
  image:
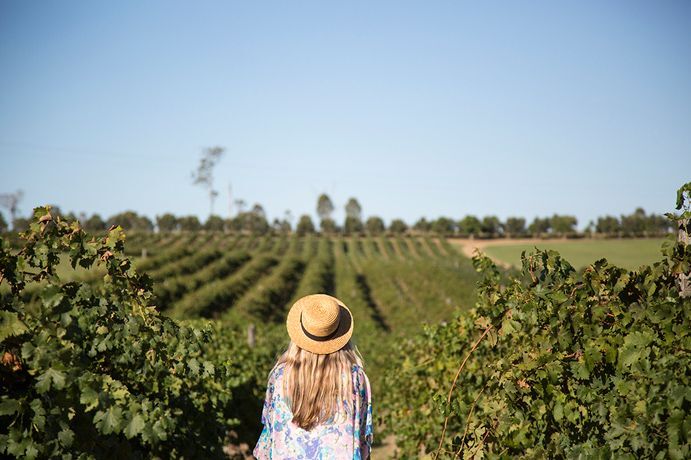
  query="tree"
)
[
  {"x": 422, "y": 225},
  {"x": 95, "y": 224},
  {"x": 470, "y": 226},
  {"x": 189, "y": 223},
  {"x": 353, "y": 209},
  {"x": 11, "y": 202},
  {"x": 515, "y": 226},
  {"x": 539, "y": 226},
  {"x": 167, "y": 223},
  {"x": 324, "y": 207},
  {"x": 3, "y": 224},
  {"x": 214, "y": 223},
  {"x": 305, "y": 225},
  {"x": 352, "y": 226},
  {"x": 564, "y": 225},
  {"x": 328, "y": 226},
  {"x": 375, "y": 225},
  {"x": 398, "y": 226},
  {"x": 444, "y": 226},
  {"x": 203, "y": 176},
  {"x": 607, "y": 225},
  {"x": 20, "y": 224},
  {"x": 130, "y": 220},
  {"x": 491, "y": 226}
]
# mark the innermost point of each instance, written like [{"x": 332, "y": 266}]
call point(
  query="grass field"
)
[{"x": 625, "y": 253}]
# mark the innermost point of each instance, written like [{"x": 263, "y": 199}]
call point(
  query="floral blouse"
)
[{"x": 341, "y": 439}]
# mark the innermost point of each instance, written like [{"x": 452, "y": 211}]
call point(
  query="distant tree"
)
[
  {"x": 634, "y": 224},
  {"x": 214, "y": 223},
  {"x": 514, "y": 227},
  {"x": 607, "y": 225},
  {"x": 470, "y": 226},
  {"x": 328, "y": 226},
  {"x": 167, "y": 223},
  {"x": 375, "y": 225},
  {"x": 203, "y": 175},
  {"x": 658, "y": 225},
  {"x": 398, "y": 226},
  {"x": 422, "y": 225},
  {"x": 563, "y": 225},
  {"x": 20, "y": 224},
  {"x": 305, "y": 225},
  {"x": 189, "y": 223},
  {"x": 352, "y": 226},
  {"x": 3, "y": 224},
  {"x": 94, "y": 224},
  {"x": 539, "y": 226},
  {"x": 130, "y": 220},
  {"x": 281, "y": 226},
  {"x": 11, "y": 202},
  {"x": 240, "y": 204},
  {"x": 324, "y": 207},
  {"x": 258, "y": 211},
  {"x": 353, "y": 209},
  {"x": 253, "y": 221},
  {"x": 491, "y": 226},
  {"x": 444, "y": 226}
]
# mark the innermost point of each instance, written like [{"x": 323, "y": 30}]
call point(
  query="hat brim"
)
[{"x": 321, "y": 347}]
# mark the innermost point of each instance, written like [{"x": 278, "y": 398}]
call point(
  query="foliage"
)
[
  {"x": 554, "y": 364},
  {"x": 353, "y": 209},
  {"x": 352, "y": 226},
  {"x": 167, "y": 222},
  {"x": 94, "y": 370},
  {"x": 375, "y": 225},
  {"x": 398, "y": 226},
  {"x": 305, "y": 225},
  {"x": 324, "y": 206}
]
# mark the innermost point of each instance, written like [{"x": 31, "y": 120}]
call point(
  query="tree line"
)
[{"x": 255, "y": 221}]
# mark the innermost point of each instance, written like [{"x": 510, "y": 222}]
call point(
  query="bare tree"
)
[
  {"x": 204, "y": 174},
  {"x": 11, "y": 202}
]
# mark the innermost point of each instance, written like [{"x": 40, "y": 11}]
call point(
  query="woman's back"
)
[{"x": 347, "y": 436}]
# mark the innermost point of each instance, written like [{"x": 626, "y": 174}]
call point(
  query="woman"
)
[{"x": 318, "y": 402}]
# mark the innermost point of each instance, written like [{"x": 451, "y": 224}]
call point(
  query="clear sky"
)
[{"x": 414, "y": 108}]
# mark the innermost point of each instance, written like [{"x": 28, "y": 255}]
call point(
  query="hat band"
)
[{"x": 318, "y": 338}]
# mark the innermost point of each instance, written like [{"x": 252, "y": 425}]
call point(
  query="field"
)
[
  {"x": 627, "y": 253},
  {"x": 96, "y": 346}
]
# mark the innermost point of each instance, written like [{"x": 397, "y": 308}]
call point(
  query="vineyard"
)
[{"x": 160, "y": 344}]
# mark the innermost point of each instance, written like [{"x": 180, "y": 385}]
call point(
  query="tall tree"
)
[
  {"x": 3, "y": 224},
  {"x": 398, "y": 226},
  {"x": 305, "y": 225},
  {"x": 353, "y": 209},
  {"x": 11, "y": 202},
  {"x": 203, "y": 175},
  {"x": 469, "y": 226},
  {"x": 324, "y": 206},
  {"x": 375, "y": 225},
  {"x": 515, "y": 226},
  {"x": 167, "y": 222}
]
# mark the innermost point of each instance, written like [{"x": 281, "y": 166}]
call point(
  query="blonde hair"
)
[{"x": 318, "y": 387}]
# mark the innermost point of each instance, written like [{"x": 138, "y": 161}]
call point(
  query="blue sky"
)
[{"x": 414, "y": 108}]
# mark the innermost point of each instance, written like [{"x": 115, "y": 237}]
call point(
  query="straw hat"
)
[{"x": 319, "y": 323}]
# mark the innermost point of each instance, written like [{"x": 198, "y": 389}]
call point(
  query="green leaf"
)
[
  {"x": 10, "y": 325},
  {"x": 66, "y": 437},
  {"x": 89, "y": 398},
  {"x": 51, "y": 376},
  {"x": 9, "y": 406},
  {"x": 135, "y": 426},
  {"x": 109, "y": 422}
]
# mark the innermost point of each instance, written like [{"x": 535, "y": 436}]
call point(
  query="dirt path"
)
[{"x": 468, "y": 246}]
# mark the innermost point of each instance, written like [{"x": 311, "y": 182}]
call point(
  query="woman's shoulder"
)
[{"x": 359, "y": 375}]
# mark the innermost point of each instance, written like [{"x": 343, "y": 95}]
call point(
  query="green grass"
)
[{"x": 625, "y": 253}]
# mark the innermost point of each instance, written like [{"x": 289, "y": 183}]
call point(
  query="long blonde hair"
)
[{"x": 318, "y": 387}]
